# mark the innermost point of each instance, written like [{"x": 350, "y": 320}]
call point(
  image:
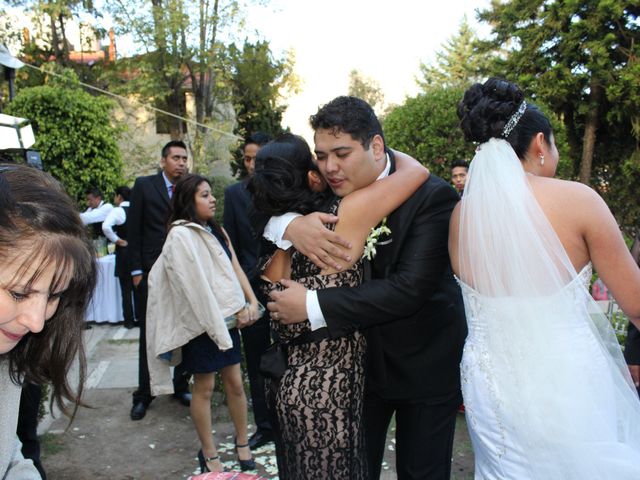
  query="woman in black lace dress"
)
[{"x": 319, "y": 398}]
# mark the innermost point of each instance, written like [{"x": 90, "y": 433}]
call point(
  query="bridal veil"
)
[{"x": 561, "y": 388}]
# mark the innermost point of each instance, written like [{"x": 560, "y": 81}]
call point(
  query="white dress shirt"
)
[
  {"x": 96, "y": 215},
  {"x": 117, "y": 216},
  {"x": 274, "y": 231}
]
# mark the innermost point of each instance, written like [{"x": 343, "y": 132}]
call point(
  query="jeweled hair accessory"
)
[{"x": 513, "y": 121}]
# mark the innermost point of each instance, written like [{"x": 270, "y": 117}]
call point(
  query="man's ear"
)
[{"x": 377, "y": 147}]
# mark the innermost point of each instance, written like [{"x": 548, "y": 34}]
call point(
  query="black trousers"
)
[
  {"x": 256, "y": 339},
  {"x": 424, "y": 436},
  {"x": 180, "y": 376},
  {"x": 28, "y": 424},
  {"x": 130, "y": 300}
]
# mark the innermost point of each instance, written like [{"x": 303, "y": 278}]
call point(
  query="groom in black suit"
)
[
  {"x": 409, "y": 307},
  {"x": 147, "y": 230}
]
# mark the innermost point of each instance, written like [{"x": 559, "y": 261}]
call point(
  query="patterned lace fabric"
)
[{"x": 319, "y": 399}]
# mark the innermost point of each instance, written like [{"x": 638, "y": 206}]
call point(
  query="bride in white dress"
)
[{"x": 546, "y": 390}]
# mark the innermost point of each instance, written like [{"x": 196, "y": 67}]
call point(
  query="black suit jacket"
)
[
  {"x": 411, "y": 310},
  {"x": 632, "y": 345},
  {"x": 146, "y": 223},
  {"x": 237, "y": 201}
]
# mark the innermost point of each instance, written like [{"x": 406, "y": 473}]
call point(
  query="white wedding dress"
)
[{"x": 546, "y": 390}]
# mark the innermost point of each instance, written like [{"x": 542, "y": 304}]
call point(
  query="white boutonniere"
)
[{"x": 373, "y": 238}]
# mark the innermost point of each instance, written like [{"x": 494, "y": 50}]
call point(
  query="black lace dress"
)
[{"x": 319, "y": 398}]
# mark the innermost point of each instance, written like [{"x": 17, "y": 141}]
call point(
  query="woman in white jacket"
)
[
  {"x": 47, "y": 275},
  {"x": 195, "y": 285}
]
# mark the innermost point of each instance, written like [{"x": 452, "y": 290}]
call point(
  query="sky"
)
[{"x": 384, "y": 39}]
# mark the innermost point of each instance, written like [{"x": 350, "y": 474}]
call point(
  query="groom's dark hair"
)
[{"x": 350, "y": 115}]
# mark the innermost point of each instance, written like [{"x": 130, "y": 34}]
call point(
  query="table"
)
[{"x": 106, "y": 303}]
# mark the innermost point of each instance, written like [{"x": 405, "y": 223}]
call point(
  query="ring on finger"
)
[{"x": 276, "y": 315}]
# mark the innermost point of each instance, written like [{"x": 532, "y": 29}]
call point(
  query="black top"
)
[{"x": 221, "y": 240}]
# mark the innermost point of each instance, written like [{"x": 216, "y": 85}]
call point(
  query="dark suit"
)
[
  {"x": 147, "y": 232},
  {"x": 257, "y": 337},
  {"x": 632, "y": 345},
  {"x": 412, "y": 314}
]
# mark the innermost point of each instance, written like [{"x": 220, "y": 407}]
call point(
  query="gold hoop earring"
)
[{"x": 541, "y": 159}]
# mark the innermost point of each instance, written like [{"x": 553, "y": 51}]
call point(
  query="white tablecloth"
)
[{"x": 106, "y": 304}]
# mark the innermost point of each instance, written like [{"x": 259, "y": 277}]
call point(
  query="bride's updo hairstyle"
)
[{"x": 486, "y": 109}]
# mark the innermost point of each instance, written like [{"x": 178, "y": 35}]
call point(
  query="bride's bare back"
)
[{"x": 588, "y": 232}]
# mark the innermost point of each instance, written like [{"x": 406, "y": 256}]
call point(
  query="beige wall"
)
[{"x": 141, "y": 145}]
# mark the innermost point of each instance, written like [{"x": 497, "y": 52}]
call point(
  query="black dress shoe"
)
[
  {"x": 259, "y": 439},
  {"x": 129, "y": 324},
  {"x": 185, "y": 398},
  {"x": 138, "y": 411}
]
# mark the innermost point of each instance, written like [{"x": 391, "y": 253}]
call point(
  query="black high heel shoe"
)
[
  {"x": 244, "y": 464},
  {"x": 203, "y": 461}
]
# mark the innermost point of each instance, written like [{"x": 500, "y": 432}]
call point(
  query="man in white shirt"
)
[
  {"x": 97, "y": 211},
  {"x": 117, "y": 218}
]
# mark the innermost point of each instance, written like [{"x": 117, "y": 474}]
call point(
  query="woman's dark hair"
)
[
  {"x": 184, "y": 199},
  {"x": 279, "y": 183},
  {"x": 486, "y": 108},
  {"x": 40, "y": 226}
]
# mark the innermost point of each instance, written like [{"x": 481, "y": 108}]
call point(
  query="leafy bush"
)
[
  {"x": 426, "y": 127},
  {"x": 74, "y": 135}
]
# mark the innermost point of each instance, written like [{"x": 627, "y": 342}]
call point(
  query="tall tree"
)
[
  {"x": 259, "y": 81},
  {"x": 580, "y": 57},
  {"x": 183, "y": 48},
  {"x": 52, "y": 18},
  {"x": 457, "y": 64},
  {"x": 366, "y": 88}
]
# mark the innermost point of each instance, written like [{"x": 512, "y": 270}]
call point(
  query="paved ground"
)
[{"x": 103, "y": 443}]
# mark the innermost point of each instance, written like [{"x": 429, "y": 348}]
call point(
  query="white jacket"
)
[{"x": 192, "y": 288}]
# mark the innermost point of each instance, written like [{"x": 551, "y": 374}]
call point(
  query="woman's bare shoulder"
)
[
  {"x": 572, "y": 206},
  {"x": 567, "y": 191}
]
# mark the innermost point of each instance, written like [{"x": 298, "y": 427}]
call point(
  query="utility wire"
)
[{"x": 145, "y": 105}]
